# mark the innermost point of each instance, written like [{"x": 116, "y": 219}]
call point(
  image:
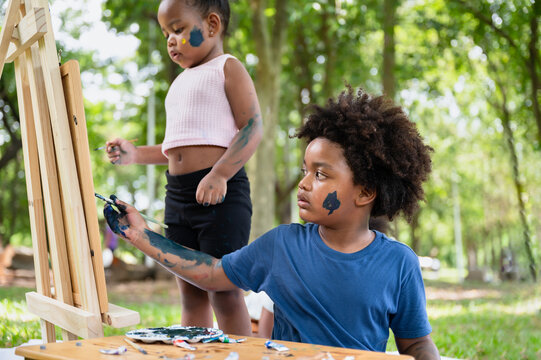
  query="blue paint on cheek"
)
[
  {"x": 112, "y": 220},
  {"x": 331, "y": 202},
  {"x": 196, "y": 37}
]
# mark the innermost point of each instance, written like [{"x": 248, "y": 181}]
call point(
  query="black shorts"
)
[{"x": 215, "y": 229}]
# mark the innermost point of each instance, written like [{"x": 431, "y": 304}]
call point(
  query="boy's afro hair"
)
[{"x": 381, "y": 145}]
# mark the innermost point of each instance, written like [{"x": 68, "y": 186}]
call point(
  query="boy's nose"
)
[{"x": 304, "y": 184}]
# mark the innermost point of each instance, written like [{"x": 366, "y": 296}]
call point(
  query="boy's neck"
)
[{"x": 346, "y": 240}]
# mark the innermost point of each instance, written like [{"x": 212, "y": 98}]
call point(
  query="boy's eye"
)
[
  {"x": 178, "y": 31},
  {"x": 303, "y": 171},
  {"x": 320, "y": 175}
]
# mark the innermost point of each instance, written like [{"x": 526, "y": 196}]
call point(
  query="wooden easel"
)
[{"x": 63, "y": 214}]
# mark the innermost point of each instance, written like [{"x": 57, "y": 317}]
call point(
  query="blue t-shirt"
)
[{"x": 326, "y": 297}]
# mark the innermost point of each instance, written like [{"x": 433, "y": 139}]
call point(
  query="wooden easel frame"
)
[{"x": 62, "y": 207}]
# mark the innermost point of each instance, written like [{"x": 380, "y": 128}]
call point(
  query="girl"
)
[{"x": 213, "y": 127}]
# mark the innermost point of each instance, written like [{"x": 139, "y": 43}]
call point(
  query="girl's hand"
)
[
  {"x": 211, "y": 189},
  {"x": 121, "y": 152}
]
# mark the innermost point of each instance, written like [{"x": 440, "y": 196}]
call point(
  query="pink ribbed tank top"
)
[{"x": 197, "y": 109}]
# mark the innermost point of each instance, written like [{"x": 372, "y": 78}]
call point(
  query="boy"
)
[{"x": 333, "y": 281}]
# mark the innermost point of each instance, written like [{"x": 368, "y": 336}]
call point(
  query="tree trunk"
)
[
  {"x": 519, "y": 187},
  {"x": 533, "y": 60},
  {"x": 389, "y": 21},
  {"x": 414, "y": 225},
  {"x": 268, "y": 43},
  {"x": 389, "y": 89}
]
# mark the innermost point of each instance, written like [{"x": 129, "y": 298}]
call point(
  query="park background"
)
[{"x": 467, "y": 72}]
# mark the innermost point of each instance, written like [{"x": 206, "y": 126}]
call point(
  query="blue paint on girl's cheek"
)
[
  {"x": 331, "y": 202},
  {"x": 112, "y": 219},
  {"x": 196, "y": 37},
  {"x": 166, "y": 245}
]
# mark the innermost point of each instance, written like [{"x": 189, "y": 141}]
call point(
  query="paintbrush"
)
[
  {"x": 104, "y": 147},
  {"x": 147, "y": 218},
  {"x": 135, "y": 346}
]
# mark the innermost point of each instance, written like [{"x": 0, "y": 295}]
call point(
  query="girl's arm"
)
[
  {"x": 195, "y": 267},
  {"x": 242, "y": 97},
  {"x": 123, "y": 152}
]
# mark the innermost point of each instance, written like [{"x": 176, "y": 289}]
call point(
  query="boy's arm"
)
[
  {"x": 123, "y": 152},
  {"x": 242, "y": 98},
  {"x": 422, "y": 348},
  {"x": 197, "y": 268}
]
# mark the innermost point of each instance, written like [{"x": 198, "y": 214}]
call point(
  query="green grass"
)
[
  {"x": 17, "y": 326},
  {"x": 472, "y": 321}
]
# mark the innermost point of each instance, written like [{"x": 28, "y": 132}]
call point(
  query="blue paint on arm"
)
[
  {"x": 168, "y": 246},
  {"x": 196, "y": 37},
  {"x": 331, "y": 202}
]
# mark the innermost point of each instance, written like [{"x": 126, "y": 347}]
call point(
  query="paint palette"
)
[{"x": 190, "y": 334}]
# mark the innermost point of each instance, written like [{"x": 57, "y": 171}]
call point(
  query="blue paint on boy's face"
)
[
  {"x": 331, "y": 202},
  {"x": 196, "y": 37}
]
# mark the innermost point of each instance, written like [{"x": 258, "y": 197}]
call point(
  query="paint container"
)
[
  {"x": 275, "y": 346},
  {"x": 117, "y": 351},
  {"x": 226, "y": 339},
  {"x": 183, "y": 344}
]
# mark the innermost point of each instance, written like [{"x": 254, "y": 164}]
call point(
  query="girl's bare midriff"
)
[{"x": 187, "y": 159}]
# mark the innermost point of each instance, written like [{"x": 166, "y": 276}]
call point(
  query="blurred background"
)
[{"x": 467, "y": 72}]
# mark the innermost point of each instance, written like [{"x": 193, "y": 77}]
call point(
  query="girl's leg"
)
[
  {"x": 196, "y": 310},
  {"x": 231, "y": 312}
]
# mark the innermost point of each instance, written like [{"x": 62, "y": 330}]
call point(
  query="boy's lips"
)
[{"x": 302, "y": 201}]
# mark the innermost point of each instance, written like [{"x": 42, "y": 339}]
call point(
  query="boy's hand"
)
[
  {"x": 211, "y": 190},
  {"x": 128, "y": 224},
  {"x": 121, "y": 151}
]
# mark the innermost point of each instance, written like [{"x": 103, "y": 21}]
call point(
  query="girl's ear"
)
[
  {"x": 365, "y": 197},
  {"x": 215, "y": 24}
]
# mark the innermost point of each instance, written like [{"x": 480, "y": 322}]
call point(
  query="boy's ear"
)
[
  {"x": 215, "y": 24},
  {"x": 365, "y": 197}
]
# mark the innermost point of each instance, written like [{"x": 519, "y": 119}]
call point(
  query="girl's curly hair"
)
[{"x": 381, "y": 145}]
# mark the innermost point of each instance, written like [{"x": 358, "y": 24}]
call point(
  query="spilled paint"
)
[
  {"x": 196, "y": 37},
  {"x": 168, "y": 246},
  {"x": 331, "y": 202}
]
